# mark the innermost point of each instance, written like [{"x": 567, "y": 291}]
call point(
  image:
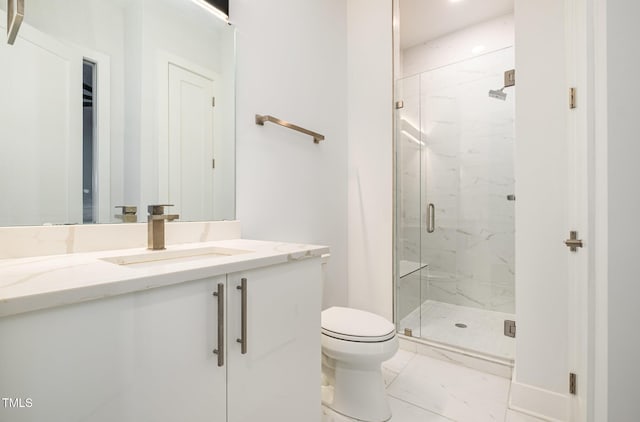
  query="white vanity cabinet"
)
[
  {"x": 275, "y": 380},
  {"x": 148, "y": 355}
]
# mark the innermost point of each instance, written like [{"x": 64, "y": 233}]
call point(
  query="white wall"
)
[
  {"x": 541, "y": 206},
  {"x": 494, "y": 34},
  {"x": 133, "y": 106},
  {"x": 623, "y": 150},
  {"x": 370, "y": 78},
  {"x": 292, "y": 65}
]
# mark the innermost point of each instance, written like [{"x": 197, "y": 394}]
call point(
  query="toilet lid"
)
[{"x": 356, "y": 325}]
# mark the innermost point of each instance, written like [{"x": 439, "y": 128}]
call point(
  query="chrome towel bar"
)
[{"x": 261, "y": 119}]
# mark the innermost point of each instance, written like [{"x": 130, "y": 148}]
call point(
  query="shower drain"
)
[{"x": 461, "y": 325}]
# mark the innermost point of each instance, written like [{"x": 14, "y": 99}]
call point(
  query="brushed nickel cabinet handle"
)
[
  {"x": 220, "y": 350},
  {"x": 243, "y": 334}
]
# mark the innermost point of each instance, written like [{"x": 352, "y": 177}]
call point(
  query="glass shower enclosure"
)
[{"x": 454, "y": 199}]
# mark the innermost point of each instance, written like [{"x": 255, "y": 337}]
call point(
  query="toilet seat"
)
[
  {"x": 359, "y": 339},
  {"x": 354, "y": 325}
]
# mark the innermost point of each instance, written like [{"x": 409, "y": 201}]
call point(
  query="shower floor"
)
[{"x": 484, "y": 332}]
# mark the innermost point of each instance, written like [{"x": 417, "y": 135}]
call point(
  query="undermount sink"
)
[{"x": 153, "y": 258}]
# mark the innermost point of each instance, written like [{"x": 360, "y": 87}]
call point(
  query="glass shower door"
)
[
  {"x": 410, "y": 218},
  {"x": 454, "y": 204}
]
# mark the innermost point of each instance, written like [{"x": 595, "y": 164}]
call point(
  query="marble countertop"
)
[{"x": 28, "y": 284}]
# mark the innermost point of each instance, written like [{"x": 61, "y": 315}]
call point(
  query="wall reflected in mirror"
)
[{"x": 106, "y": 103}]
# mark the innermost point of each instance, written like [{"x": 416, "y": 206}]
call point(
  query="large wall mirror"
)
[{"x": 116, "y": 102}]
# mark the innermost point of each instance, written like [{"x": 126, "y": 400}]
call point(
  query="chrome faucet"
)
[{"x": 155, "y": 226}]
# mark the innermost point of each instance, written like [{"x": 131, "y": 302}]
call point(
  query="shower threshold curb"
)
[{"x": 485, "y": 363}]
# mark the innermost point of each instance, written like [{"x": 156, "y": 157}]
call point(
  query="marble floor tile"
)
[
  {"x": 453, "y": 391},
  {"x": 329, "y": 415},
  {"x": 388, "y": 376},
  {"x": 398, "y": 362},
  {"x": 406, "y": 412},
  {"x": 424, "y": 389},
  {"x": 513, "y": 416},
  {"x": 401, "y": 412}
]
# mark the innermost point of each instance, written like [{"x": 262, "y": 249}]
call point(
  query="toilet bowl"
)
[{"x": 354, "y": 345}]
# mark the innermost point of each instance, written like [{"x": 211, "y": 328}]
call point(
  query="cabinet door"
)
[
  {"x": 69, "y": 363},
  {"x": 278, "y": 379},
  {"x": 176, "y": 373}
]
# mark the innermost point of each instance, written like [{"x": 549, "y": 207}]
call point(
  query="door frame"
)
[
  {"x": 587, "y": 137},
  {"x": 598, "y": 311},
  {"x": 102, "y": 165}
]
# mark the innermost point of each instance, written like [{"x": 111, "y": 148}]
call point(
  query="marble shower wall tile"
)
[
  {"x": 409, "y": 243},
  {"x": 409, "y": 294},
  {"x": 441, "y": 262}
]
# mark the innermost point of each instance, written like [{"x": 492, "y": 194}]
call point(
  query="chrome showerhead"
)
[{"x": 498, "y": 94}]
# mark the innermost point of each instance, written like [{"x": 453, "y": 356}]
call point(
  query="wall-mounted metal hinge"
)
[
  {"x": 572, "y": 383},
  {"x": 408, "y": 332},
  {"x": 509, "y": 78},
  {"x": 509, "y": 328},
  {"x": 573, "y": 242},
  {"x": 572, "y": 98},
  {"x": 213, "y": 163},
  {"x": 213, "y": 101},
  {"x": 399, "y": 104}
]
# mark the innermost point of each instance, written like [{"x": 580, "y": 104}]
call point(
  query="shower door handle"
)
[{"x": 431, "y": 218}]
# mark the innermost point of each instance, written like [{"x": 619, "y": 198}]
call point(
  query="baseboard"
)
[
  {"x": 479, "y": 362},
  {"x": 542, "y": 404}
]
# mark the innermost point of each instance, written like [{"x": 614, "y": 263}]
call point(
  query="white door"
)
[
  {"x": 176, "y": 374},
  {"x": 40, "y": 130},
  {"x": 277, "y": 380},
  {"x": 72, "y": 362},
  {"x": 581, "y": 215},
  {"x": 552, "y": 181},
  {"x": 190, "y": 175}
]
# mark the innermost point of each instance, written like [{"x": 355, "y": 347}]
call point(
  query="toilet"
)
[{"x": 354, "y": 345}]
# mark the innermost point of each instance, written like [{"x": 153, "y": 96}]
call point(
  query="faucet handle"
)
[
  {"x": 157, "y": 209},
  {"x": 128, "y": 213},
  {"x": 128, "y": 209}
]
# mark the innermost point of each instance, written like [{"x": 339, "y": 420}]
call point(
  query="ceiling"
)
[{"x": 424, "y": 20}]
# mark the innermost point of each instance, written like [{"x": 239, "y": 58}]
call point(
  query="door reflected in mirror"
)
[{"x": 106, "y": 103}]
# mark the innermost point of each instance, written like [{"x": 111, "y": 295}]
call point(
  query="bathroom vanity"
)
[
  {"x": 223, "y": 330},
  {"x": 93, "y": 327}
]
